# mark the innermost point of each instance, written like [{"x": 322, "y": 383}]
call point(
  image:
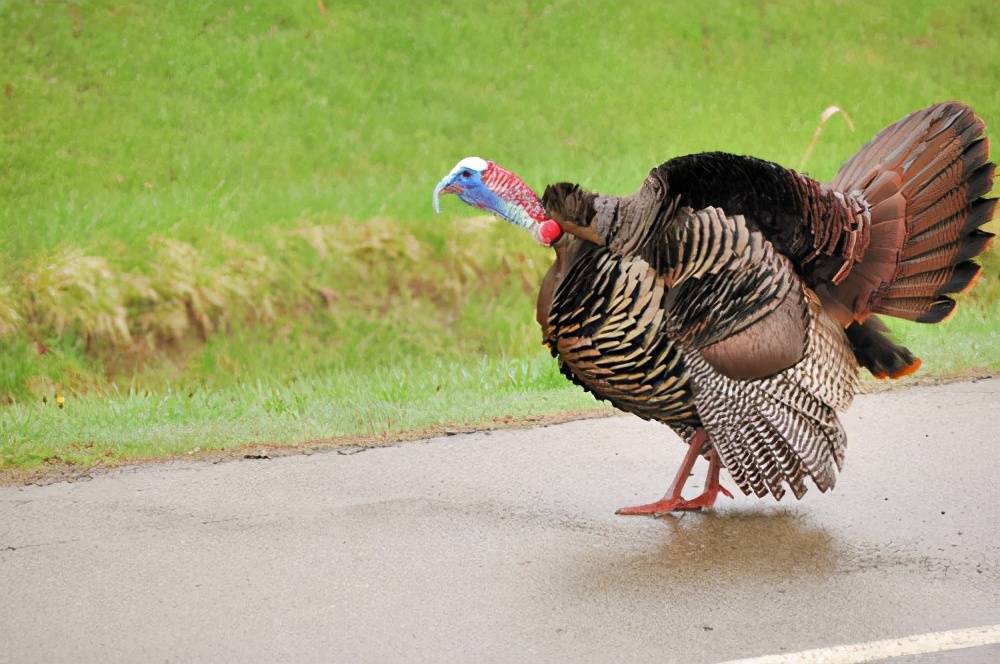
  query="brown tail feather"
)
[
  {"x": 946, "y": 256},
  {"x": 955, "y": 279},
  {"x": 963, "y": 277},
  {"x": 950, "y": 229},
  {"x": 919, "y": 309}
]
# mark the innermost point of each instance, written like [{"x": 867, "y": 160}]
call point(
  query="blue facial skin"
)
[
  {"x": 475, "y": 193},
  {"x": 468, "y": 186}
]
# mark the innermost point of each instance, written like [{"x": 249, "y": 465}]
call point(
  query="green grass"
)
[{"x": 231, "y": 201}]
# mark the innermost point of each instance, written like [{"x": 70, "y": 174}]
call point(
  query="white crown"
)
[{"x": 477, "y": 164}]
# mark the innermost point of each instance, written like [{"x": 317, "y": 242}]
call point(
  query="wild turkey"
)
[{"x": 732, "y": 299}]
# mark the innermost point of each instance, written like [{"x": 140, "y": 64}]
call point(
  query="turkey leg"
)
[{"x": 672, "y": 500}]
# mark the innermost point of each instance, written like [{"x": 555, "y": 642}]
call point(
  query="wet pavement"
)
[{"x": 504, "y": 546}]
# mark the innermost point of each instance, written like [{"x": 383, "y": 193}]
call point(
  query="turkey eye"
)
[{"x": 466, "y": 174}]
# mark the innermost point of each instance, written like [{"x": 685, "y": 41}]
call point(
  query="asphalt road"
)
[{"x": 504, "y": 546}]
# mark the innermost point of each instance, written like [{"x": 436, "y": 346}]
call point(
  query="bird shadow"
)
[{"x": 708, "y": 549}]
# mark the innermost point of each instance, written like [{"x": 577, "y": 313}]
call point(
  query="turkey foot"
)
[
  {"x": 706, "y": 499},
  {"x": 662, "y": 506},
  {"x": 672, "y": 500}
]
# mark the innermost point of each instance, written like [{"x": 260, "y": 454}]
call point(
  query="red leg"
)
[
  {"x": 712, "y": 486},
  {"x": 672, "y": 499}
]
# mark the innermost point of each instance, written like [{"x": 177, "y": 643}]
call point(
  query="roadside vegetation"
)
[{"x": 215, "y": 222}]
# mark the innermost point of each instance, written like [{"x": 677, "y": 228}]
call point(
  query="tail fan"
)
[{"x": 924, "y": 178}]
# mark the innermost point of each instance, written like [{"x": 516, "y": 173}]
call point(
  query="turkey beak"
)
[{"x": 445, "y": 186}]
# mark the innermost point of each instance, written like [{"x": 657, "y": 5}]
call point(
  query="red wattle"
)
[{"x": 549, "y": 231}]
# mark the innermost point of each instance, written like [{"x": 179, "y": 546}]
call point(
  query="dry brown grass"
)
[
  {"x": 73, "y": 290},
  {"x": 185, "y": 293}
]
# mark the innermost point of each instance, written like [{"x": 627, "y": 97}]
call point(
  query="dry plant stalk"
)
[{"x": 828, "y": 113}]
